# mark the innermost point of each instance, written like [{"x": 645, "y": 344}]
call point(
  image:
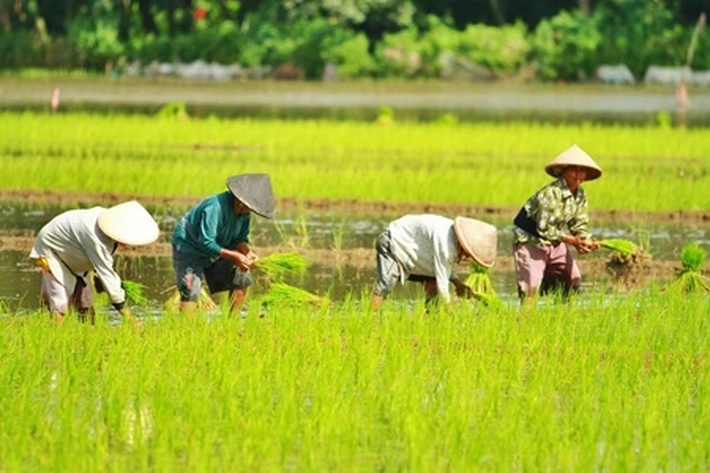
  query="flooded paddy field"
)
[{"x": 337, "y": 239}]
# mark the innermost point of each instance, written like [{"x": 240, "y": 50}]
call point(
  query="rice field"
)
[
  {"x": 646, "y": 168},
  {"x": 611, "y": 384},
  {"x": 607, "y": 382}
]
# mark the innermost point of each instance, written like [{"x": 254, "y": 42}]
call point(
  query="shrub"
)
[
  {"x": 502, "y": 49},
  {"x": 565, "y": 46},
  {"x": 351, "y": 57}
]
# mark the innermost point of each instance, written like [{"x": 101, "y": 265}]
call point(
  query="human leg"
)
[
  {"x": 189, "y": 271},
  {"x": 55, "y": 296},
  {"x": 223, "y": 275},
  {"x": 562, "y": 273},
  {"x": 430, "y": 291},
  {"x": 530, "y": 262},
  {"x": 82, "y": 299}
]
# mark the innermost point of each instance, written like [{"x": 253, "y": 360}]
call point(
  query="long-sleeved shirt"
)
[
  {"x": 73, "y": 244},
  {"x": 425, "y": 245},
  {"x": 210, "y": 226},
  {"x": 555, "y": 210}
]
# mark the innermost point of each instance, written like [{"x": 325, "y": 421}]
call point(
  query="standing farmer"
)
[
  {"x": 424, "y": 248},
  {"x": 77, "y": 242},
  {"x": 553, "y": 218},
  {"x": 211, "y": 241}
]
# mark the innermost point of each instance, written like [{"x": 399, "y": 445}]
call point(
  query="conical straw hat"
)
[
  {"x": 479, "y": 240},
  {"x": 129, "y": 223},
  {"x": 574, "y": 156},
  {"x": 254, "y": 191}
]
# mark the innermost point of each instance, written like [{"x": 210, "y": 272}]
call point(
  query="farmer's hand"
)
[
  {"x": 240, "y": 259},
  {"x": 581, "y": 245},
  {"x": 462, "y": 290},
  {"x": 253, "y": 258}
]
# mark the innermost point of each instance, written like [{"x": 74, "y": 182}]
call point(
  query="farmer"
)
[
  {"x": 553, "y": 218},
  {"x": 424, "y": 248},
  {"x": 77, "y": 242},
  {"x": 211, "y": 241}
]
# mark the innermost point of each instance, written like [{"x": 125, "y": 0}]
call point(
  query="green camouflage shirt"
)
[{"x": 557, "y": 212}]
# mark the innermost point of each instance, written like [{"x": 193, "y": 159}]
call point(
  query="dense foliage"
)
[{"x": 548, "y": 40}]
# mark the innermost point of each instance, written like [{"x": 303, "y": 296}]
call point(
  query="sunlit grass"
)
[
  {"x": 646, "y": 168},
  {"x": 605, "y": 383}
]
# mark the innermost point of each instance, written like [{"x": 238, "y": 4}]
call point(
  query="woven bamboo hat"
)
[
  {"x": 479, "y": 240},
  {"x": 574, "y": 156},
  {"x": 129, "y": 223},
  {"x": 254, "y": 191}
]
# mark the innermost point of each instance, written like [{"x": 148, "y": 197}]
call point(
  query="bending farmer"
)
[
  {"x": 77, "y": 242},
  {"x": 424, "y": 248},
  {"x": 211, "y": 241}
]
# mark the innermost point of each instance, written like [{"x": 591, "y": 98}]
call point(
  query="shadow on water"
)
[{"x": 332, "y": 276}]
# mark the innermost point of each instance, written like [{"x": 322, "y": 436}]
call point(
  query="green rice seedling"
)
[
  {"x": 204, "y": 302},
  {"x": 282, "y": 294},
  {"x": 134, "y": 292},
  {"x": 321, "y": 159},
  {"x": 479, "y": 281},
  {"x": 278, "y": 265},
  {"x": 692, "y": 257},
  {"x": 690, "y": 279},
  {"x": 626, "y": 248},
  {"x": 624, "y": 252},
  {"x": 604, "y": 384}
]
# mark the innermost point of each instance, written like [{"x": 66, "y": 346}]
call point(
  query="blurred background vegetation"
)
[{"x": 540, "y": 40}]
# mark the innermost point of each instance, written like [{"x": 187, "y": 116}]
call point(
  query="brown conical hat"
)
[
  {"x": 574, "y": 156},
  {"x": 479, "y": 240},
  {"x": 129, "y": 223},
  {"x": 254, "y": 191}
]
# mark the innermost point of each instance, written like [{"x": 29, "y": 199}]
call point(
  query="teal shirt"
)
[
  {"x": 211, "y": 226},
  {"x": 557, "y": 212}
]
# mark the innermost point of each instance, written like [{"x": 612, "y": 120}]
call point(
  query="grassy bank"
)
[{"x": 646, "y": 168}]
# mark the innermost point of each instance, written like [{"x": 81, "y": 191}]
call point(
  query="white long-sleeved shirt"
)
[
  {"x": 73, "y": 245},
  {"x": 426, "y": 245}
]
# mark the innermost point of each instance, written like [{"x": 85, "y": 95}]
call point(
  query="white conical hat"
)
[
  {"x": 574, "y": 156},
  {"x": 479, "y": 240},
  {"x": 129, "y": 223},
  {"x": 254, "y": 191}
]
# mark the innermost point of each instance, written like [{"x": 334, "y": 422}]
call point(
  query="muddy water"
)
[{"x": 345, "y": 267}]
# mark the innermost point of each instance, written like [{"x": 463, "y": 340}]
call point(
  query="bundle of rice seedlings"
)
[
  {"x": 134, "y": 292},
  {"x": 282, "y": 294},
  {"x": 620, "y": 245},
  {"x": 479, "y": 281},
  {"x": 204, "y": 301},
  {"x": 690, "y": 279},
  {"x": 278, "y": 265},
  {"x": 624, "y": 252}
]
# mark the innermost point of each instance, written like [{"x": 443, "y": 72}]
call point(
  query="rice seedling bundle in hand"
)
[
  {"x": 278, "y": 265},
  {"x": 134, "y": 292},
  {"x": 625, "y": 248},
  {"x": 690, "y": 279},
  {"x": 479, "y": 281}
]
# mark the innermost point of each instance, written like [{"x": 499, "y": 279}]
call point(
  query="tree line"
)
[{"x": 550, "y": 39}]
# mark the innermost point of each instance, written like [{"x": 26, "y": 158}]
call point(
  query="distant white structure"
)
[
  {"x": 615, "y": 74},
  {"x": 667, "y": 75}
]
